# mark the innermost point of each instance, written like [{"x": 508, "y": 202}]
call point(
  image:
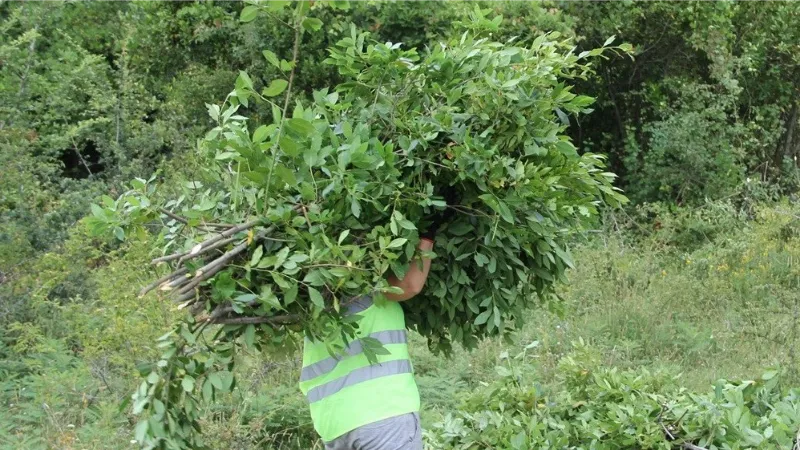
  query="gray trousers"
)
[{"x": 395, "y": 433}]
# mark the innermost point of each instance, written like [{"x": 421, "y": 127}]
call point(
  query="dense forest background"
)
[{"x": 701, "y": 126}]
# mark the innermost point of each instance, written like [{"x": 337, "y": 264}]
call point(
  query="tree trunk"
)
[{"x": 787, "y": 144}]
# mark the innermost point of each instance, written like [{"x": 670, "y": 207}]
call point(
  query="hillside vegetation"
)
[{"x": 678, "y": 325}]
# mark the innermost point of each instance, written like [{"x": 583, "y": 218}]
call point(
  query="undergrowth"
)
[{"x": 672, "y": 319}]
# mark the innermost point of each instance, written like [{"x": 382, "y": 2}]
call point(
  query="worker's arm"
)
[{"x": 414, "y": 280}]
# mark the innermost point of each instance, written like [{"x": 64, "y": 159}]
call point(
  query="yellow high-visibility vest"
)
[{"x": 346, "y": 392}]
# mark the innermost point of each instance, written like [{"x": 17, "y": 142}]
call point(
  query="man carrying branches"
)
[{"x": 357, "y": 405}]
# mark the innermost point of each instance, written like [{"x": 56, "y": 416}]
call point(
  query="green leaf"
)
[
  {"x": 245, "y": 298},
  {"x": 301, "y": 127},
  {"x": 312, "y": 24},
  {"x": 565, "y": 256},
  {"x": 269, "y": 298},
  {"x": 141, "y": 431},
  {"x": 108, "y": 201},
  {"x": 566, "y": 148},
  {"x": 406, "y": 224},
  {"x": 244, "y": 80},
  {"x": 226, "y": 380},
  {"x": 281, "y": 281},
  {"x": 460, "y": 228},
  {"x": 257, "y": 254},
  {"x": 242, "y": 95},
  {"x": 225, "y": 156},
  {"x": 498, "y": 206},
  {"x": 272, "y": 58},
  {"x": 250, "y": 335},
  {"x": 159, "y": 407},
  {"x": 768, "y": 375},
  {"x": 138, "y": 183},
  {"x": 215, "y": 380},
  {"x": 277, "y": 5},
  {"x": 97, "y": 211},
  {"x": 249, "y": 13},
  {"x": 119, "y": 233},
  {"x": 289, "y": 146},
  {"x": 260, "y": 135},
  {"x": 355, "y": 208},
  {"x": 213, "y": 111},
  {"x": 343, "y": 236},
  {"x": 316, "y": 297},
  {"x": 276, "y": 87},
  {"x": 562, "y": 116},
  {"x": 399, "y": 242},
  {"x": 301, "y": 7},
  {"x": 208, "y": 390},
  {"x": 286, "y": 175},
  {"x": 505, "y": 213},
  {"x": 483, "y": 317},
  {"x": 188, "y": 383},
  {"x": 290, "y": 295},
  {"x": 481, "y": 259}
]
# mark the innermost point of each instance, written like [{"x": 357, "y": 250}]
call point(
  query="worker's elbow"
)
[{"x": 415, "y": 289}]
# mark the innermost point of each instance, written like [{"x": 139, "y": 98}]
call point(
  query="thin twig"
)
[
  {"x": 197, "y": 307},
  {"x": 288, "y": 96},
  {"x": 689, "y": 446},
  {"x": 217, "y": 313},
  {"x": 155, "y": 284},
  {"x": 313, "y": 266},
  {"x": 173, "y": 215},
  {"x": 167, "y": 258},
  {"x": 176, "y": 283},
  {"x": 186, "y": 222},
  {"x": 218, "y": 225},
  {"x": 189, "y": 255},
  {"x": 231, "y": 231},
  {"x": 468, "y": 211},
  {"x": 274, "y": 320},
  {"x": 208, "y": 244},
  {"x": 305, "y": 214},
  {"x": 211, "y": 244},
  {"x": 223, "y": 310},
  {"x": 669, "y": 435},
  {"x": 212, "y": 268},
  {"x": 80, "y": 156},
  {"x": 184, "y": 297}
]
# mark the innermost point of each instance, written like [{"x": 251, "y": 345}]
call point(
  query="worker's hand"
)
[{"x": 451, "y": 195}]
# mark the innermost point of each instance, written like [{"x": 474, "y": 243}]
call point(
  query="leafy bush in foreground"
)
[{"x": 603, "y": 408}]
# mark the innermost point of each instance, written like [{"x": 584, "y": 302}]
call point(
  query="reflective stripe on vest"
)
[
  {"x": 385, "y": 369},
  {"x": 327, "y": 365}
]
